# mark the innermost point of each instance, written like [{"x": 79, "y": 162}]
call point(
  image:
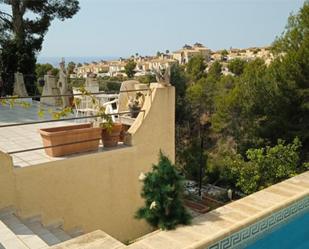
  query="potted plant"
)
[
  {"x": 111, "y": 136},
  {"x": 70, "y": 139},
  {"x": 88, "y": 135},
  {"x": 110, "y": 132},
  {"x": 135, "y": 104}
]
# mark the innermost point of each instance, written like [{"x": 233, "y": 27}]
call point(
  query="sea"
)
[{"x": 57, "y": 59}]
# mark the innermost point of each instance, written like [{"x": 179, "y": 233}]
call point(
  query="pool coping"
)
[{"x": 257, "y": 229}]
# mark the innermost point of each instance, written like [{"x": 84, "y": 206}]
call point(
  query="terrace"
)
[
  {"x": 85, "y": 191},
  {"x": 21, "y": 119},
  {"x": 23, "y": 137}
]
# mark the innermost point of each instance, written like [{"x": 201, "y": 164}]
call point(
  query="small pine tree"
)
[{"x": 162, "y": 191}]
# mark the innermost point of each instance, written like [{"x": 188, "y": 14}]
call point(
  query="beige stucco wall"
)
[
  {"x": 99, "y": 191},
  {"x": 7, "y": 181}
]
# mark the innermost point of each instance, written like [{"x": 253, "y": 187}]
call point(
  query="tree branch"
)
[
  {"x": 8, "y": 22},
  {"x": 23, "y": 7},
  {"x": 6, "y": 14}
]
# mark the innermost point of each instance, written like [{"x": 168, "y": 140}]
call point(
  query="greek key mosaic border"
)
[{"x": 238, "y": 239}]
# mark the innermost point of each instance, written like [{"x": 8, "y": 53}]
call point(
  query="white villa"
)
[
  {"x": 187, "y": 52},
  {"x": 246, "y": 54},
  {"x": 144, "y": 65},
  {"x": 149, "y": 64}
]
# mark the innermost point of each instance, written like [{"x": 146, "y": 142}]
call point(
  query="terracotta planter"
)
[
  {"x": 124, "y": 129},
  {"x": 111, "y": 139},
  {"x": 70, "y": 134}
]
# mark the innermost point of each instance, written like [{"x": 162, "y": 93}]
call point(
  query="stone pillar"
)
[
  {"x": 62, "y": 85},
  {"x": 19, "y": 85},
  {"x": 50, "y": 88},
  {"x": 92, "y": 85}
]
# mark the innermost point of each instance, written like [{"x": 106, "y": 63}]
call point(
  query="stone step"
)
[
  {"x": 30, "y": 233},
  {"x": 76, "y": 232},
  {"x": 25, "y": 236},
  {"x": 93, "y": 240},
  {"x": 7, "y": 210},
  {"x": 59, "y": 234},
  {"x": 8, "y": 239},
  {"x": 45, "y": 234}
]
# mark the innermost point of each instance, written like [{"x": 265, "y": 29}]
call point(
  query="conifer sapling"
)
[{"x": 162, "y": 191}]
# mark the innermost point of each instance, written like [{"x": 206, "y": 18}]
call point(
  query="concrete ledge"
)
[{"x": 94, "y": 240}]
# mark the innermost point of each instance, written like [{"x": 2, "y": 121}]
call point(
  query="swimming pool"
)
[
  {"x": 292, "y": 235},
  {"x": 287, "y": 228}
]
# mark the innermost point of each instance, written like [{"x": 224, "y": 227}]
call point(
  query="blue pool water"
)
[{"x": 292, "y": 235}]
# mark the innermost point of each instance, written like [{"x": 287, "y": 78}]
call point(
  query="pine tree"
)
[
  {"x": 162, "y": 191},
  {"x": 23, "y": 26}
]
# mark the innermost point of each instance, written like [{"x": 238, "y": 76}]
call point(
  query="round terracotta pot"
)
[{"x": 111, "y": 139}]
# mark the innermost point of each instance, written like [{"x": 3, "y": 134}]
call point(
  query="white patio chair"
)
[
  {"x": 121, "y": 100},
  {"x": 112, "y": 107},
  {"x": 83, "y": 104}
]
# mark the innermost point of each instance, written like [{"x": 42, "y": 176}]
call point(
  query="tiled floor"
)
[{"x": 26, "y": 136}]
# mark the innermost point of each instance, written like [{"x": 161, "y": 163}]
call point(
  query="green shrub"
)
[
  {"x": 265, "y": 166},
  {"x": 146, "y": 79},
  {"x": 162, "y": 191},
  {"x": 276, "y": 163}
]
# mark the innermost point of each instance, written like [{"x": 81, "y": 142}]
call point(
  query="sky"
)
[{"x": 124, "y": 27}]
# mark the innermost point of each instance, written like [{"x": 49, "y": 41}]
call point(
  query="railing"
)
[
  {"x": 64, "y": 119},
  {"x": 71, "y": 95}
]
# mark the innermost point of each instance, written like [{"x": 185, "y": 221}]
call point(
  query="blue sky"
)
[{"x": 125, "y": 27}]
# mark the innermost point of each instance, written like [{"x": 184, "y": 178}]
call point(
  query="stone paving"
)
[{"x": 27, "y": 136}]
